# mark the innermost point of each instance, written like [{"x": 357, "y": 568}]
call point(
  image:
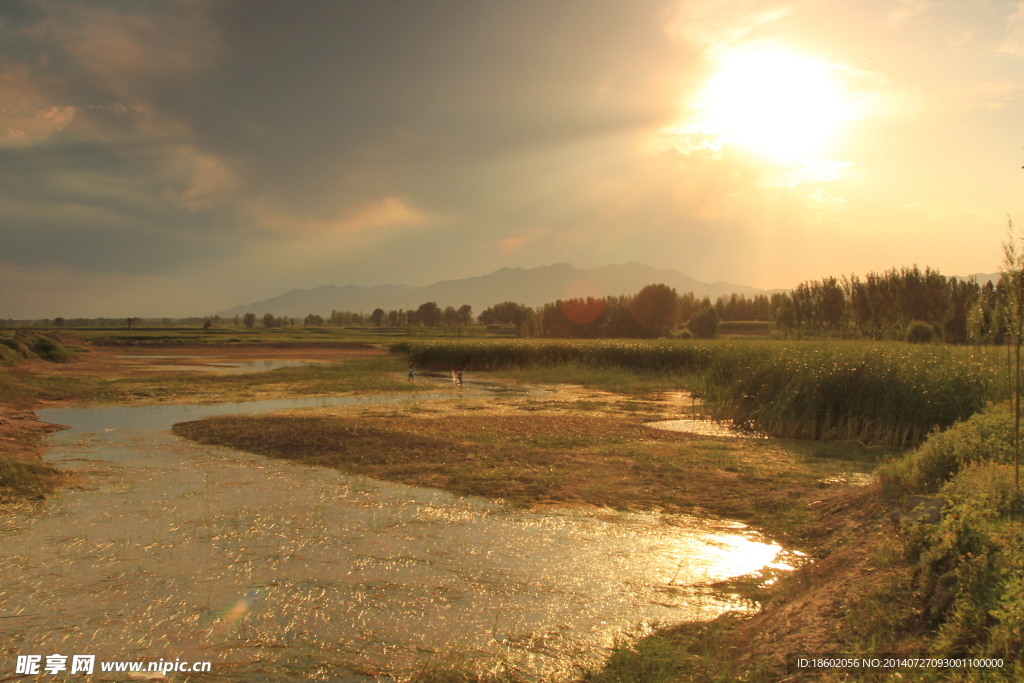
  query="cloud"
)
[
  {"x": 125, "y": 52},
  {"x": 27, "y": 114},
  {"x": 373, "y": 218},
  {"x": 514, "y": 245},
  {"x": 211, "y": 183},
  {"x": 906, "y": 10},
  {"x": 1013, "y": 42},
  {"x": 988, "y": 96},
  {"x": 717, "y": 24}
]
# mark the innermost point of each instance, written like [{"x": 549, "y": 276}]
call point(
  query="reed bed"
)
[{"x": 887, "y": 393}]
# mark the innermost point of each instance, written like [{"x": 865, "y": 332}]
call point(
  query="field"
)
[{"x": 873, "y": 586}]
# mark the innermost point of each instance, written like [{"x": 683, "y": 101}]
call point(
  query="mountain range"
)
[{"x": 533, "y": 287}]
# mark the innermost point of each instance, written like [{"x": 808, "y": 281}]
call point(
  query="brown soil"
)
[
  {"x": 21, "y": 434},
  {"x": 813, "y": 615}
]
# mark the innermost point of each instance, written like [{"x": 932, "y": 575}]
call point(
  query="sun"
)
[{"x": 774, "y": 101}]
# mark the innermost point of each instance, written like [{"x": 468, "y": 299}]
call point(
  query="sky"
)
[{"x": 177, "y": 158}]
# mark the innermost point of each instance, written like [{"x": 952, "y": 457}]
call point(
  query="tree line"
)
[
  {"x": 891, "y": 305},
  {"x": 654, "y": 311},
  {"x": 895, "y": 304}
]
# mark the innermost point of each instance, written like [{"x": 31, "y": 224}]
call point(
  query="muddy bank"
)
[{"x": 23, "y": 474}]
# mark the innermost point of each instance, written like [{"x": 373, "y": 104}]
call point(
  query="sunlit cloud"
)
[
  {"x": 27, "y": 115},
  {"x": 127, "y": 50},
  {"x": 371, "y": 219},
  {"x": 1013, "y": 42},
  {"x": 906, "y": 10},
  {"x": 211, "y": 183},
  {"x": 718, "y": 24}
]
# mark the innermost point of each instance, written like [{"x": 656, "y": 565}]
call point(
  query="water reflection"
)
[
  {"x": 703, "y": 428},
  {"x": 219, "y": 365},
  {"x": 277, "y": 570}
]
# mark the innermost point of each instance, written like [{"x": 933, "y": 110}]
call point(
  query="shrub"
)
[
  {"x": 919, "y": 332},
  {"x": 984, "y": 438},
  {"x": 18, "y": 346},
  {"x": 51, "y": 350}
]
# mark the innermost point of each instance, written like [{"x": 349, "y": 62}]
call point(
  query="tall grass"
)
[{"x": 877, "y": 392}]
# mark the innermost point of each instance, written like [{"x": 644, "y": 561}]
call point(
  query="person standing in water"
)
[{"x": 412, "y": 375}]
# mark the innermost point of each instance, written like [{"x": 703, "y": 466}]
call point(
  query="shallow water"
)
[
  {"x": 216, "y": 364},
  {"x": 702, "y": 427},
  {"x": 278, "y": 571}
]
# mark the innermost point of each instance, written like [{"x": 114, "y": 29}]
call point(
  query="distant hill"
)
[
  {"x": 980, "y": 278},
  {"x": 533, "y": 287}
]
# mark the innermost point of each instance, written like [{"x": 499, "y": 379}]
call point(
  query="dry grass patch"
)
[{"x": 543, "y": 457}]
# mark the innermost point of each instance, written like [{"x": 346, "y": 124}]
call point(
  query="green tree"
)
[
  {"x": 377, "y": 316},
  {"x": 429, "y": 314},
  {"x": 704, "y": 323},
  {"x": 465, "y": 314},
  {"x": 654, "y": 308},
  {"x": 249, "y": 320},
  {"x": 783, "y": 313}
]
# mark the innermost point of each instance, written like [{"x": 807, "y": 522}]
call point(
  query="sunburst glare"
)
[{"x": 772, "y": 101}]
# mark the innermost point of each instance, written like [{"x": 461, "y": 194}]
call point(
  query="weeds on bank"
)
[{"x": 26, "y": 480}]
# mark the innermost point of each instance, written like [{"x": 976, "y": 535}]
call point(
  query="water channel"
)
[{"x": 278, "y": 571}]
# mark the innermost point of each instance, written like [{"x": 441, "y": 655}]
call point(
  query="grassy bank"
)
[
  {"x": 882, "y": 393},
  {"x": 52, "y": 346}
]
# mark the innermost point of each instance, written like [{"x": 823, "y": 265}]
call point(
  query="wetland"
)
[{"x": 331, "y": 520}]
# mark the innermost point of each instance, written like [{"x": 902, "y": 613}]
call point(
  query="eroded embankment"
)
[{"x": 23, "y": 474}]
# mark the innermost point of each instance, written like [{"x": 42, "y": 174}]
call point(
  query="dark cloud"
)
[{"x": 309, "y": 109}]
